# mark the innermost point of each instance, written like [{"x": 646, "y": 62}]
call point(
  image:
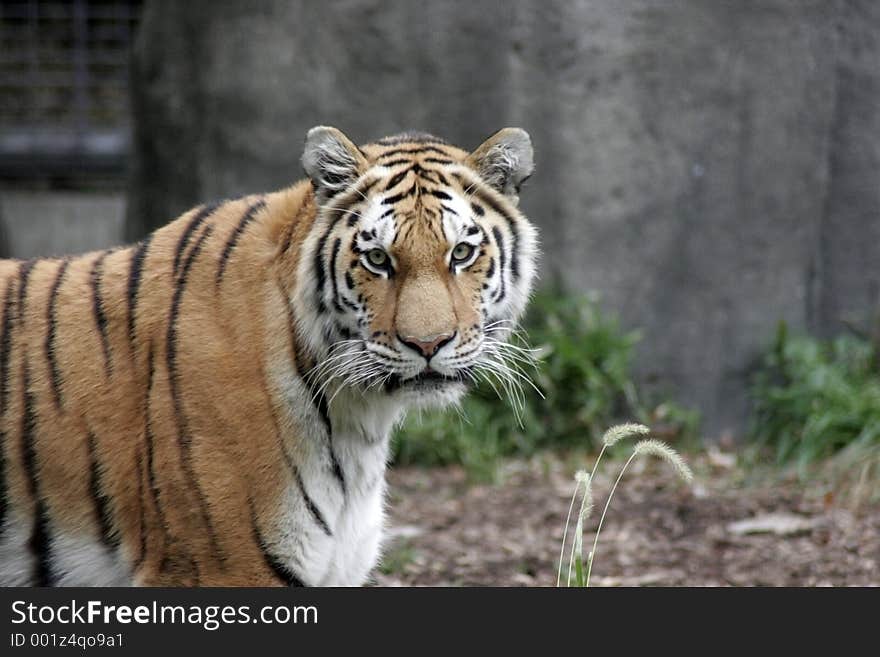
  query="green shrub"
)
[
  {"x": 814, "y": 398},
  {"x": 583, "y": 374}
]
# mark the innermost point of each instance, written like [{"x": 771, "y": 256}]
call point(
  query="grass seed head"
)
[
  {"x": 661, "y": 450},
  {"x": 620, "y": 431}
]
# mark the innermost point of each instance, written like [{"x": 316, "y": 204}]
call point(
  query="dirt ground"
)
[{"x": 445, "y": 531}]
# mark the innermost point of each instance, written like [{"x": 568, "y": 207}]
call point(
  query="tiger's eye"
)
[
  {"x": 462, "y": 251},
  {"x": 377, "y": 257}
]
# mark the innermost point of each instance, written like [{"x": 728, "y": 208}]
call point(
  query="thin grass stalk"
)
[
  {"x": 577, "y": 487},
  {"x": 592, "y": 554},
  {"x": 577, "y": 546}
]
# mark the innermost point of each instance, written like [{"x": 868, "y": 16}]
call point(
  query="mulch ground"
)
[{"x": 447, "y": 531}]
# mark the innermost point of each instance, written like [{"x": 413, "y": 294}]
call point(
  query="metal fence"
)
[{"x": 64, "y": 78}]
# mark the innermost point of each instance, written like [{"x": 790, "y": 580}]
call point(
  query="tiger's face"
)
[{"x": 420, "y": 262}]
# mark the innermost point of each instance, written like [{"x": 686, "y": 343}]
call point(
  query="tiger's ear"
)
[
  {"x": 331, "y": 161},
  {"x": 505, "y": 160}
]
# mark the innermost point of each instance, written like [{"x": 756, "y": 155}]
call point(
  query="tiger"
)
[{"x": 213, "y": 406}]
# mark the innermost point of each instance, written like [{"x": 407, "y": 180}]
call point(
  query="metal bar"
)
[
  {"x": 50, "y": 10},
  {"x": 60, "y": 79},
  {"x": 81, "y": 63},
  {"x": 64, "y": 85},
  {"x": 33, "y": 55}
]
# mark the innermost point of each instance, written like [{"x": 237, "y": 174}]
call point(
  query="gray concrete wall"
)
[
  {"x": 46, "y": 223},
  {"x": 711, "y": 167}
]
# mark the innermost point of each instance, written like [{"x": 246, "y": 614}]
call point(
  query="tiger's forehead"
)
[
  {"x": 417, "y": 219},
  {"x": 415, "y": 146},
  {"x": 417, "y": 197}
]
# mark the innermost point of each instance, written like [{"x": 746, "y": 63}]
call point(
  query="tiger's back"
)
[{"x": 158, "y": 422}]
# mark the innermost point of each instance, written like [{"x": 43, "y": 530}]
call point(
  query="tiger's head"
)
[{"x": 418, "y": 264}]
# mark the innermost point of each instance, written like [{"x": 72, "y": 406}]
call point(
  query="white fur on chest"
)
[
  {"x": 357, "y": 538},
  {"x": 354, "y": 516}
]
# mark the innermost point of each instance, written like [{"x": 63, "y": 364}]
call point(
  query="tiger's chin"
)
[{"x": 427, "y": 390}]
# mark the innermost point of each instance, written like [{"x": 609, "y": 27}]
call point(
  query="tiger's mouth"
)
[{"x": 425, "y": 380}]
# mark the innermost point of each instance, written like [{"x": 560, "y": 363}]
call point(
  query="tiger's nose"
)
[{"x": 429, "y": 345}]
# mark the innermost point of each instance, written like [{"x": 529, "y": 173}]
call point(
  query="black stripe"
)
[
  {"x": 335, "y": 285},
  {"x": 318, "y": 398},
  {"x": 282, "y": 572},
  {"x": 439, "y": 193},
  {"x": 324, "y": 412},
  {"x": 391, "y": 200},
  {"x": 149, "y": 440},
  {"x": 514, "y": 231},
  {"x": 288, "y": 239},
  {"x": 465, "y": 185},
  {"x": 298, "y": 358},
  {"x": 151, "y": 472},
  {"x": 6, "y": 344},
  {"x": 232, "y": 242},
  {"x": 183, "y": 436},
  {"x": 98, "y": 310},
  {"x": 395, "y": 181},
  {"x": 28, "y": 431},
  {"x": 40, "y": 541},
  {"x": 366, "y": 187},
  {"x": 51, "y": 328},
  {"x": 410, "y": 151},
  {"x": 361, "y": 192},
  {"x": 335, "y": 183},
  {"x": 318, "y": 260},
  {"x": 397, "y": 162},
  {"x": 443, "y": 179},
  {"x": 142, "y": 554},
  {"x": 436, "y": 227},
  {"x": 299, "y": 352},
  {"x": 40, "y": 545},
  {"x": 351, "y": 305},
  {"x": 134, "y": 282},
  {"x": 310, "y": 503},
  {"x": 499, "y": 240},
  {"x": 194, "y": 568},
  {"x": 311, "y": 506},
  {"x": 200, "y": 216},
  {"x": 24, "y": 275},
  {"x": 414, "y": 136},
  {"x": 354, "y": 192},
  {"x": 103, "y": 513},
  {"x": 406, "y": 231},
  {"x": 437, "y": 160},
  {"x": 320, "y": 272}
]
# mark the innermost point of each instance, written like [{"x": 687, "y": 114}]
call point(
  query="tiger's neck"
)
[
  {"x": 338, "y": 439},
  {"x": 330, "y": 520}
]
